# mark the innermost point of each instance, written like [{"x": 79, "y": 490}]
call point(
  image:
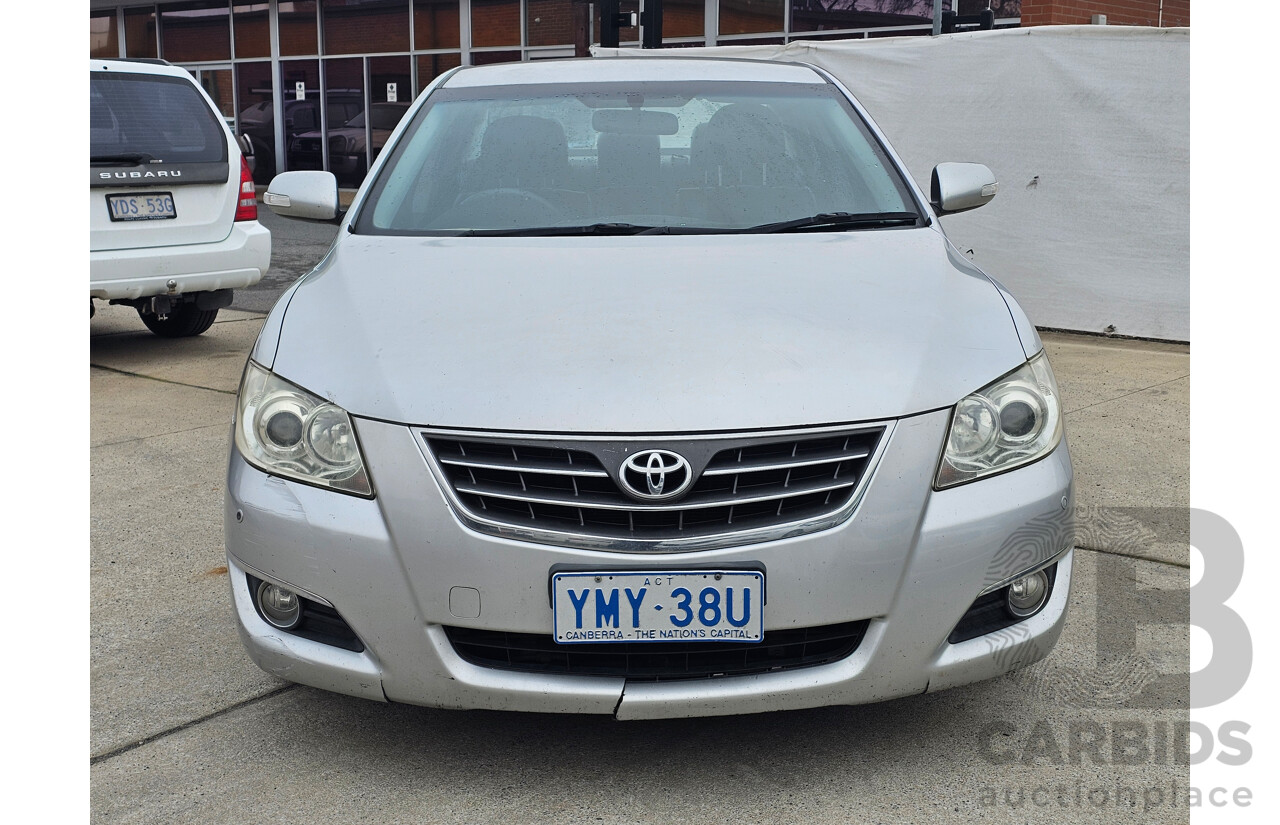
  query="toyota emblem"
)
[{"x": 655, "y": 475}]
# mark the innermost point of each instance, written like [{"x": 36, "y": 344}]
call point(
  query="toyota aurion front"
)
[{"x": 649, "y": 388}]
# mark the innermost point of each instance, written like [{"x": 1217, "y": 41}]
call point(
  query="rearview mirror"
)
[
  {"x": 635, "y": 122},
  {"x": 959, "y": 187},
  {"x": 311, "y": 196}
]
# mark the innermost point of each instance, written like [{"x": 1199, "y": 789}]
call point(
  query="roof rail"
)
[{"x": 154, "y": 61}]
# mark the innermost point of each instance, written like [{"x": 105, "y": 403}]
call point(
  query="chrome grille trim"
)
[
  {"x": 556, "y": 489},
  {"x": 683, "y": 504},
  {"x": 528, "y": 466}
]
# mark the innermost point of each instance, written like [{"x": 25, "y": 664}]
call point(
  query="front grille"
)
[
  {"x": 659, "y": 661},
  {"x": 567, "y": 492}
]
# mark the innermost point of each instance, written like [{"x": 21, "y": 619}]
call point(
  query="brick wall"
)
[{"x": 1118, "y": 12}]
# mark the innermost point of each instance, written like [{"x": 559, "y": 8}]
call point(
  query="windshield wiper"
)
[
  {"x": 552, "y": 231},
  {"x": 837, "y": 221},
  {"x": 120, "y": 159}
]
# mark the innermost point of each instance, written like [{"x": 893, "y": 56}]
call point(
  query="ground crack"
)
[
  {"x": 146, "y": 740},
  {"x": 161, "y": 380}
]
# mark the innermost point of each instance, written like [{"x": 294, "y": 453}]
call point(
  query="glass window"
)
[
  {"x": 217, "y": 82},
  {"x": 549, "y": 23},
  {"x": 1002, "y": 8},
  {"x": 753, "y": 16},
  {"x": 626, "y": 34},
  {"x": 706, "y": 156},
  {"x": 298, "y": 29},
  {"x": 256, "y": 118},
  {"x": 817, "y": 15},
  {"x": 435, "y": 24},
  {"x": 253, "y": 29},
  {"x": 495, "y": 23},
  {"x": 431, "y": 66},
  {"x": 384, "y": 72},
  {"x": 195, "y": 31},
  {"x": 136, "y": 118},
  {"x": 140, "y": 31},
  {"x": 485, "y": 58},
  {"x": 683, "y": 18},
  {"x": 103, "y": 38},
  {"x": 364, "y": 26},
  {"x": 344, "y": 101}
]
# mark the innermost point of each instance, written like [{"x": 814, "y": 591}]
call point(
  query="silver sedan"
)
[{"x": 649, "y": 388}]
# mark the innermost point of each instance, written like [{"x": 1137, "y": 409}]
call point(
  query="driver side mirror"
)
[
  {"x": 959, "y": 187},
  {"x": 311, "y": 196}
]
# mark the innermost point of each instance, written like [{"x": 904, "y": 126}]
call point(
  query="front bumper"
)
[{"x": 910, "y": 560}]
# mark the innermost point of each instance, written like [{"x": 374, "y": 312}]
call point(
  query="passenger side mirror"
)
[
  {"x": 311, "y": 196},
  {"x": 959, "y": 187}
]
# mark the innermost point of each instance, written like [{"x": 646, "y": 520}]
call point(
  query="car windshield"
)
[{"x": 626, "y": 158}]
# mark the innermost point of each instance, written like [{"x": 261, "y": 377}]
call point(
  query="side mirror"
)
[
  {"x": 959, "y": 187},
  {"x": 312, "y": 196}
]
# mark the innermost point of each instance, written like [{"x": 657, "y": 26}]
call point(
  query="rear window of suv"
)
[{"x": 143, "y": 118}]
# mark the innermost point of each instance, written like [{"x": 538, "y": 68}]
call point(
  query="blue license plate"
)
[{"x": 666, "y": 606}]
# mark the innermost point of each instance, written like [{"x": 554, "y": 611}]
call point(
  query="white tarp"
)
[{"x": 1087, "y": 128}]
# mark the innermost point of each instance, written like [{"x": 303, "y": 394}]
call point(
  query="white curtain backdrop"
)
[{"x": 1087, "y": 129}]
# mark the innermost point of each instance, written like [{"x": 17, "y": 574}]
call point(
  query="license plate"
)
[
  {"x": 152, "y": 206},
  {"x": 669, "y": 606}
]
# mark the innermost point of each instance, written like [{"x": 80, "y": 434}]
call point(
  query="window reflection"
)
[
  {"x": 683, "y": 18},
  {"x": 344, "y": 82},
  {"x": 298, "y": 32},
  {"x": 253, "y": 29},
  {"x": 435, "y": 24},
  {"x": 495, "y": 23},
  {"x": 825, "y": 15},
  {"x": 485, "y": 58},
  {"x": 431, "y": 66},
  {"x": 103, "y": 39},
  {"x": 549, "y": 23},
  {"x": 196, "y": 31},
  {"x": 752, "y": 16},
  {"x": 140, "y": 32},
  {"x": 362, "y": 26},
  {"x": 217, "y": 82},
  {"x": 253, "y": 84}
]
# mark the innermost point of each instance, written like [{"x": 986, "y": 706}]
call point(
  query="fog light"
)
[
  {"x": 1027, "y": 594},
  {"x": 280, "y": 607}
]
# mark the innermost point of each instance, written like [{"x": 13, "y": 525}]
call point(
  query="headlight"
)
[
  {"x": 340, "y": 145},
  {"x": 1011, "y": 422},
  {"x": 286, "y": 431}
]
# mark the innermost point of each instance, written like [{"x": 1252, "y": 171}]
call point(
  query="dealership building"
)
[{"x": 267, "y": 65}]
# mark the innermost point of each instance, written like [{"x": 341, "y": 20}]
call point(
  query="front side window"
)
[{"x": 682, "y": 156}]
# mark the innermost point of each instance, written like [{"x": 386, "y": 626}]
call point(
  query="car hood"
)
[{"x": 645, "y": 334}]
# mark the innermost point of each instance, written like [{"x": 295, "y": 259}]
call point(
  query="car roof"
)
[
  {"x": 139, "y": 66},
  {"x": 636, "y": 69}
]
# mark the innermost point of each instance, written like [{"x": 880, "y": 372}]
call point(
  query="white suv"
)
[{"x": 173, "y": 220}]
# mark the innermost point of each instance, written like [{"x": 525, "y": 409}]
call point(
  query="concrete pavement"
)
[{"x": 184, "y": 728}]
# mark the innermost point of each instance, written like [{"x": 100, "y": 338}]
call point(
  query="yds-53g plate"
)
[
  {"x": 665, "y": 606},
  {"x": 151, "y": 206}
]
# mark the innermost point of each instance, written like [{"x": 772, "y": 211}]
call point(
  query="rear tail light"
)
[{"x": 247, "y": 198}]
